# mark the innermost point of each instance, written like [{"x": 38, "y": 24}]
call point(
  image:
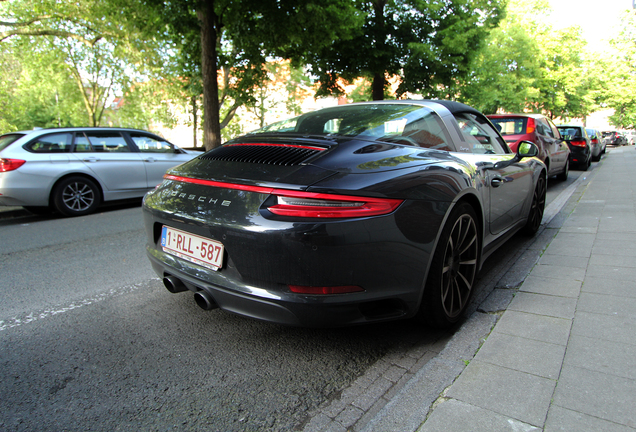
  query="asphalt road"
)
[{"x": 90, "y": 340}]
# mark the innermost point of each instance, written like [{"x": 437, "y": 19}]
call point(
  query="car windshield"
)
[
  {"x": 510, "y": 126},
  {"x": 400, "y": 123},
  {"x": 7, "y": 139}
]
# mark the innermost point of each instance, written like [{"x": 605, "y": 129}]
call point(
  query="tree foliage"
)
[
  {"x": 526, "y": 65},
  {"x": 427, "y": 44},
  {"x": 618, "y": 80}
]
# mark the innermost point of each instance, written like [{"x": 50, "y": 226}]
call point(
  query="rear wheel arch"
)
[
  {"x": 79, "y": 174},
  {"x": 426, "y": 312}
]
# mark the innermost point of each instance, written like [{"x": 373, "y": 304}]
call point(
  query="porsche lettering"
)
[{"x": 198, "y": 198}]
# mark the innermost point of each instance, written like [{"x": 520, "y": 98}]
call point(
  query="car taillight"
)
[
  {"x": 315, "y": 205},
  {"x": 10, "y": 164},
  {"x": 308, "y": 204},
  {"x": 579, "y": 143},
  {"x": 530, "y": 126},
  {"x": 325, "y": 290},
  {"x": 594, "y": 141}
]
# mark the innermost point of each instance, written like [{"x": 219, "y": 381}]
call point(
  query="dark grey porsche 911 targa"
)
[{"x": 353, "y": 214}]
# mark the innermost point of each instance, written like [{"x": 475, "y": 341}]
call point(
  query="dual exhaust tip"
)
[{"x": 201, "y": 298}]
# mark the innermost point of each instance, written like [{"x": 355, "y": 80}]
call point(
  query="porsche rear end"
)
[{"x": 252, "y": 228}]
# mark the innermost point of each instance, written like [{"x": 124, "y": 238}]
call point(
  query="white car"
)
[{"x": 73, "y": 170}]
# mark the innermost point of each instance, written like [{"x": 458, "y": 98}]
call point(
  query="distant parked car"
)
[
  {"x": 73, "y": 170},
  {"x": 598, "y": 145},
  {"x": 539, "y": 129},
  {"x": 579, "y": 143},
  {"x": 614, "y": 138},
  {"x": 631, "y": 137}
]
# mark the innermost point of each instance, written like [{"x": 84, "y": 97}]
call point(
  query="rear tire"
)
[
  {"x": 563, "y": 176},
  {"x": 453, "y": 269},
  {"x": 76, "y": 196}
]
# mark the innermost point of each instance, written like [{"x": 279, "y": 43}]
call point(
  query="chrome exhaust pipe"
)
[
  {"x": 205, "y": 300},
  {"x": 174, "y": 285}
]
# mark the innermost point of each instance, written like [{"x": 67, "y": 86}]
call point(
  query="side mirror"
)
[
  {"x": 527, "y": 149},
  {"x": 524, "y": 150}
]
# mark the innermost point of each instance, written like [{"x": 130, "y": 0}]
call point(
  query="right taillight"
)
[
  {"x": 530, "y": 126},
  {"x": 10, "y": 164},
  {"x": 579, "y": 143}
]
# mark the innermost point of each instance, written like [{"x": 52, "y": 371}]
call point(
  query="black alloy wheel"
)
[
  {"x": 76, "y": 196},
  {"x": 453, "y": 270},
  {"x": 537, "y": 208}
]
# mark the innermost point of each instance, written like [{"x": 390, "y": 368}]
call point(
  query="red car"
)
[{"x": 539, "y": 129}]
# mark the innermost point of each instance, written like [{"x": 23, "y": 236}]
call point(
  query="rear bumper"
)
[
  {"x": 579, "y": 155},
  {"x": 277, "y": 306}
]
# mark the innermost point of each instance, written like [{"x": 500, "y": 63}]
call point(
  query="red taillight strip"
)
[
  {"x": 578, "y": 143},
  {"x": 370, "y": 206},
  {"x": 223, "y": 185},
  {"x": 276, "y": 145}
]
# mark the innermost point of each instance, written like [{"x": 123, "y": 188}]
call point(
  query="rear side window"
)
[
  {"x": 148, "y": 144},
  {"x": 107, "y": 142},
  {"x": 52, "y": 143},
  {"x": 5, "y": 140},
  {"x": 510, "y": 126}
]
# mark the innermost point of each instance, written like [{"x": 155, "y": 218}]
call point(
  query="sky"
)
[{"x": 596, "y": 18}]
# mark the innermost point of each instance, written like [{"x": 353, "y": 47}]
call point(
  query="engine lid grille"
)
[{"x": 264, "y": 153}]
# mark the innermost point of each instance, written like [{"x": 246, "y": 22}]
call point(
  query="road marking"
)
[{"x": 30, "y": 317}]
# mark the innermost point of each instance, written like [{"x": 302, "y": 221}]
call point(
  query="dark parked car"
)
[
  {"x": 615, "y": 138},
  {"x": 597, "y": 142},
  {"x": 579, "y": 143},
  {"x": 539, "y": 129},
  {"x": 353, "y": 214}
]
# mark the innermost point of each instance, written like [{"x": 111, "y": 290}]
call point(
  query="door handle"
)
[
  {"x": 496, "y": 181},
  {"x": 150, "y": 159},
  {"x": 91, "y": 159}
]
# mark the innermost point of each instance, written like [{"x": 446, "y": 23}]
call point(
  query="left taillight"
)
[
  {"x": 316, "y": 205},
  {"x": 579, "y": 143},
  {"x": 10, "y": 164}
]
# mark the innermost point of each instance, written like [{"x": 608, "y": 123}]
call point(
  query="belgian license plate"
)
[{"x": 199, "y": 250}]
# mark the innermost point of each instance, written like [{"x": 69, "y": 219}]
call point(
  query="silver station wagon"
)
[{"x": 74, "y": 170}]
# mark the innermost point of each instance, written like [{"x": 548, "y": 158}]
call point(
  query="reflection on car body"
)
[{"x": 353, "y": 214}]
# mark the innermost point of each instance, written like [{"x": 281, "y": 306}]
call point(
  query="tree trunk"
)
[
  {"x": 195, "y": 121},
  {"x": 211, "y": 123},
  {"x": 377, "y": 90},
  {"x": 379, "y": 81}
]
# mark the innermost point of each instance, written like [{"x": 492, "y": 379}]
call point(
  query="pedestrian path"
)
[{"x": 563, "y": 355}]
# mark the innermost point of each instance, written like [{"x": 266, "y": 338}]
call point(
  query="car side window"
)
[
  {"x": 546, "y": 128},
  {"x": 82, "y": 144},
  {"x": 52, "y": 143},
  {"x": 148, "y": 144},
  {"x": 555, "y": 130},
  {"x": 107, "y": 142},
  {"x": 428, "y": 132},
  {"x": 479, "y": 135}
]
